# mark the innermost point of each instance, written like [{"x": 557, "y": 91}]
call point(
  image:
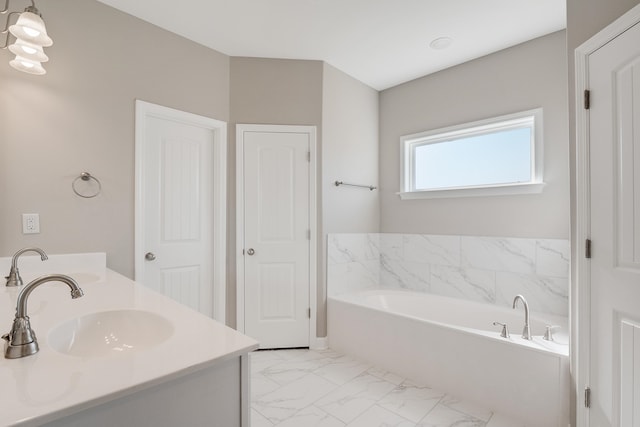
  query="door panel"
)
[
  {"x": 277, "y": 292},
  {"x": 182, "y": 284},
  {"x": 178, "y": 197},
  {"x": 276, "y": 237},
  {"x": 614, "y": 135}
]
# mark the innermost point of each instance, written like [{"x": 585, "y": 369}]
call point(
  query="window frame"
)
[{"x": 408, "y": 143}]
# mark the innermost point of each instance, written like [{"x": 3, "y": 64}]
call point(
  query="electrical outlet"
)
[{"x": 30, "y": 223}]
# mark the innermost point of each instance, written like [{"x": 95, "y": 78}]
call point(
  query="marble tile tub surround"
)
[{"x": 490, "y": 270}]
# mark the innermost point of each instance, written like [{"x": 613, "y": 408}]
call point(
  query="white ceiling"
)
[{"x": 380, "y": 42}]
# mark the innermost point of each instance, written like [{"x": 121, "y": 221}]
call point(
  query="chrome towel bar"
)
[{"x": 370, "y": 187}]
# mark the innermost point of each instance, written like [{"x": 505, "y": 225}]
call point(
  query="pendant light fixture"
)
[{"x": 30, "y": 36}]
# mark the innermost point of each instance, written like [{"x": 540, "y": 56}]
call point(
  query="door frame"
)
[
  {"x": 581, "y": 288},
  {"x": 145, "y": 110},
  {"x": 313, "y": 222}
]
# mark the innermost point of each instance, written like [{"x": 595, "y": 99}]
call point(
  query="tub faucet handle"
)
[
  {"x": 505, "y": 330},
  {"x": 548, "y": 334}
]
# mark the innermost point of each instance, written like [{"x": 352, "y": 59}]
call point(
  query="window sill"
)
[{"x": 496, "y": 190}]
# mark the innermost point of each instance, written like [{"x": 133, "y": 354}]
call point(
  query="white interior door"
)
[
  {"x": 177, "y": 208},
  {"x": 275, "y": 234},
  {"x": 614, "y": 82}
]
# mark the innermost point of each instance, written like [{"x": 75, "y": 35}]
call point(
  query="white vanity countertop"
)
[{"x": 50, "y": 385}]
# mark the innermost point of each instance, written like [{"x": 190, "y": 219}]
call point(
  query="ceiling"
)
[{"x": 380, "y": 42}]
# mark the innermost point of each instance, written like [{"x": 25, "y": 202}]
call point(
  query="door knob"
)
[
  {"x": 250, "y": 251},
  {"x": 150, "y": 256}
]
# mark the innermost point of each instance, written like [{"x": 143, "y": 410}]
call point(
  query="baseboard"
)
[{"x": 319, "y": 343}]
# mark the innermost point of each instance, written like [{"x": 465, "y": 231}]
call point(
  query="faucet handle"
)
[
  {"x": 505, "y": 331},
  {"x": 548, "y": 334}
]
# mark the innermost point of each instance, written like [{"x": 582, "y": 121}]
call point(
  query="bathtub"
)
[{"x": 451, "y": 345}]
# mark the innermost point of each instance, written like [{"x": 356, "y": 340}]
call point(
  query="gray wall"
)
[
  {"x": 530, "y": 75},
  {"x": 349, "y": 154},
  {"x": 80, "y": 117}
]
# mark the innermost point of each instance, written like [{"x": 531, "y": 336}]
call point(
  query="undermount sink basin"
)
[{"x": 109, "y": 333}]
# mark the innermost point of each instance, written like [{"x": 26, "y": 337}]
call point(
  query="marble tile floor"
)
[{"x": 310, "y": 388}]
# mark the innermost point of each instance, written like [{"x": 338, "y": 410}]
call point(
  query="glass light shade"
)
[
  {"x": 27, "y": 65},
  {"x": 28, "y": 50},
  {"x": 30, "y": 27}
]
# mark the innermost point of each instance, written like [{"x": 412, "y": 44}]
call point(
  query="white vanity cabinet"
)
[
  {"x": 195, "y": 372},
  {"x": 213, "y": 397}
]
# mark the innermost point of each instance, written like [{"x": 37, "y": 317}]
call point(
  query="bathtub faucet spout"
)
[{"x": 526, "y": 332}]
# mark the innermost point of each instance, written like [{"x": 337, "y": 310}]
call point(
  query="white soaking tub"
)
[{"x": 451, "y": 345}]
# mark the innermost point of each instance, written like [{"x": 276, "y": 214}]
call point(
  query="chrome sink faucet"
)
[
  {"x": 14, "y": 279},
  {"x": 21, "y": 341},
  {"x": 526, "y": 332}
]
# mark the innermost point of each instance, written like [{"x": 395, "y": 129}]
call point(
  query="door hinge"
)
[
  {"x": 308, "y": 156},
  {"x": 587, "y": 99},
  {"x": 308, "y": 234},
  {"x": 587, "y": 248},
  {"x": 309, "y": 313},
  {"x": 587, "y": 397}
]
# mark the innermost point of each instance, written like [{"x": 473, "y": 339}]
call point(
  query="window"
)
[{"x": 502, "y": 155}]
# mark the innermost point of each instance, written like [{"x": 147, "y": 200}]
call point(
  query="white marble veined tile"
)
[
  {"x": 444, "y": 416},
  {"x": 543, "y": 294},
  {"x": 371, "y": 398},
  {"x": 404, "y": 275},
  {"x": 376, "y": 416},
  {"x": 432, "y": 249},
  {"x": 498, "y": 420},
  {"x": 386, "y": 375},
  {"x": 286, "y": 401},
  {"x": 260, "y": 356},
  {"x": 311, "y": 417},
  {"x": 391, "y": 246},
  {"x": 297, "y": 363},
  {"x": 343, "y": 248},
  {"x": 352, "y": 276},
  {"x": 341, "y": 370},
  {"x": 466, "y": 407},
  {"x": 354, "y": 397},
  {"x": 499, "y": 254},
  {"x": 261, "y": 360},
  {"x": 257, "y": 420},
  {"x": 261, "y": 385},
  {"x": 465, "y": 283},
  {"x": 290, "y": 370},
  {"x": 299, "y": 354},
  {"x": 553, "y": 257},
  {"x": 411, "y": 401}
]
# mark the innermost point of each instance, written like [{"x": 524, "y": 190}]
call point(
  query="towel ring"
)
[{"x": 87, "y": 178}]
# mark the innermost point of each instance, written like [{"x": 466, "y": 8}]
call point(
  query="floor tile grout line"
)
[
  {"x": 312, "y": 403},
  {"x": 466, "y": 413},
  {"x": 432, "y": 409},
  {"x": 263, "y": 415},
  {"x": 396, "y": 414},
  {"x": 338, "y": 386}
]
